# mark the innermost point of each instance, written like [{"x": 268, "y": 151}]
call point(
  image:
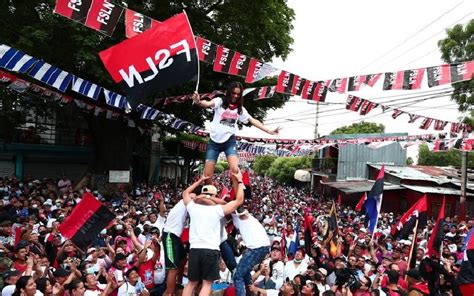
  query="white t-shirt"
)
[
  {"x": 159, "y": 273},
  {"x": 204, "y": 231},
  {"x": 291, "y": 270},
  {"x": 8, "y": 290},
  {"x": 159, "y": 223},
  {"x": 224, "y": 123},
  {"x": 176, "y": 217},
  {"x": 252, "y": 232},
  {"x": 278, "y": 271},
  {"x": 127, "y": 289},
  {"x": 95, "y": 292}
]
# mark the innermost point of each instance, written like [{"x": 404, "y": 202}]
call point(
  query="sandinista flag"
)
[
  {"x": 85, "y": 222},
  {"x": 223, "y": 59},
  {"x": 103, "y": 16},
  {"x": 308, "y": 89},
  {"x": 361, "y": 203},
  {"x": 367, "y": 106},
  {"x": 406, "y": 224},
  {"x": 298, "y": 86},
  {"x": 412, "y": 78},
  {"x": 206, "y": 50},
  {"x": 372, "y": 79},
  {"x": 137, "y": 23},
  {"x": 332, "y": 226},
  {"x": 355, "y": 82},
  {"x": 239, "y": 65},
  {"x": 320, "y": 91},
  {"x": 374, "y": 201},
  {"x": 73, "y": 9},
  {"x": 393, "y": 80},
  {"x": 247, "y": 189},
  {"x": 163, "y": 56},
  {"x": 465, "y": 277},
  {"x": 462, "y": 71},
  {"x": 338, "y": 85},
  {"x": 437, "y": 235},
  {"x": 285, "y": 82},
  {"x": 308, "y": 232},
  {"x": 438, "y": 75}
]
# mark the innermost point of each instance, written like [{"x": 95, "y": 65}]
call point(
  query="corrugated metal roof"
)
[
  {"x": 410, "y": 173},
  {"x": 359, "y": 186},
  {"x": 438, "y": 190},
  {"x": 356, "y": 136}
]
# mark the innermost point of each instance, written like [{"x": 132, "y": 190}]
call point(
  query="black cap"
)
[
  {"x": 414, "y": 273},
  {"x": 276, "y": 248},
  {"x": 61, "y": 272},
  {"x": 120, "y": 256},
  {"x": 340, "y": 258},
  {"x": 21, "y": 245},
  {"x": 9, "y": 273}
]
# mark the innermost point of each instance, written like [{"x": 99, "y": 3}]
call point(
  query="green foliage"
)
[
  {"x": 221, "y": 166},
  {"x": 458, "y": 46},
  {"x": 262, "y": 164},
  {"x": 409, "y": 161},
  {"x": 442, "y": 158},
  {"x": 360, "y": 128},
  {"x": 283, "y": 168}
]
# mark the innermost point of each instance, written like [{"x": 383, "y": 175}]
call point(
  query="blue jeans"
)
[
  {"x": 228, "y": 256},
  {"x": 250, "y": 258},
  {"x": 229, "y": 147}
]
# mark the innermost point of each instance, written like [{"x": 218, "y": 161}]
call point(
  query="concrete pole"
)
[{"x": 462, "y": 199}]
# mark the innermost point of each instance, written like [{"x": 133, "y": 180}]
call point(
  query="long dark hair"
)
[
  {"x": 41, "y": 284},
  {"x": 21, "y": 284},
  {"x": 228, "y": 96}
]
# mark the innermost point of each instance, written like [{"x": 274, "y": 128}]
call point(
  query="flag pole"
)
[
  {"x": 415, "y": 232},
  {"x": 197, "y": 54}
]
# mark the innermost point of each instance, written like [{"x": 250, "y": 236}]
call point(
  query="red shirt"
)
[
  {"x": 146, "y": 272},
  {"x": 20, "y": 267}
]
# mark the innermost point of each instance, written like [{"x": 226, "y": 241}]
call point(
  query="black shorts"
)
[
  {"x": 203, "y": 264},
  {"x": 174, "y": 250}
]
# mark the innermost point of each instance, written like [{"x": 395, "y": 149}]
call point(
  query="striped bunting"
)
[
  {"x": 115, "y": 100},
  {"x": 51, "y": 75},
  {"x": 86, "y": 88}
]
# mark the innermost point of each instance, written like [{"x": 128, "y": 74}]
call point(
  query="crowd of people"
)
[{"x": 188, "y": 240}]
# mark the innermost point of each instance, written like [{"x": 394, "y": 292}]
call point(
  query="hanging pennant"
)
[
  {"x": 425, "y": 124},
  {"x": 438, "y": 75},
  {"x": 412, "y": 78},
  {"x": 223, "y": 59},
  {"x": 286, "y": 82},
  {"x": 239, "y": 65},
  {"x": 372, "y": 79},
  {"x": 298, "y": 86},
  {"x": 137, "y": 23},
  {"x": 355, "y": 82},
  {"x": 308, "y": 89},
  {"x": 439, "y": 125},
  {"x": 103, "y": 16},
  {"x": 321, "y": 91},
  {"x": 461, "y": 71},
  {"x": 353, "y": 103},
  {"x": 397, "y": 113},
  {"x": 265, "y": 92},
  {"x": 258, "y": 70},
  {"x": 338, "y": 85},
  {"x": 393, "y": 80},
  {"x": 413, "y": 117},
  {"x": 366, "y": 107},
  {"x": 75, "y": 10},
  {"x": 206, "y": 50}
]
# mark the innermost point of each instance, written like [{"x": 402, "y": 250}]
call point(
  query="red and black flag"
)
[
  {"x": 397, "y": 113},
  {"x": 461, "y": 71},
  {"x": 437, "y": 235},
  {"x": 308, "y": 89},
  {"x": 393, "y": 80},
  {"x": 372, "y": 79},
  {"x": 413, "y": 117},
  {"x": 406, "y": 224},
  {"x": 355, "y": 82},
  {"x": 223, "y": 59},
  {"x": 298, "y": 86},
  {"x": 455, "y": 127},
  {"x": 85, "y": 222},
  {"x": 439, "y": 125},
  {"x": 353, "y": 103},
  {"x": 75, "y": 10},
  {"x": 247, "y": 189},
  {"x": 465, "y": 277},
  {"x": 206, "y": 50},
  {"x": 425, "y": 124},
  {"x": 265, "y": 92},
  {"x": 163, "y": 56},
  {"x": 308, "y": 232},
  {"x": 338, "y": 85},
  {"x": 361, "y": 203},
  {"x": 367, "y": 106},
  {"x": 137, "y": 23},
  {"x": 321, "y": 91},
  {"x": 7, "y": 77},
  {"x": 103, "y": 16},
  {"x": 253, "y": 72},
  {"x": 286, "y": 82},
  {"x": 239, "y": 65},
  {"x": 412, "y": 78},
  {"x": 438, "y": 75},
  {"x": 332, "y": 227}
]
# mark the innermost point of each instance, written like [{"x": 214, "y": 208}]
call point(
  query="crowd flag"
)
[
  {"x": 417, "y": 212},
  {"x": 332, "y": 227},
  {"x": 308, "y": 232},
  {"x": 295, "y": 241},
  {"x": 103, "y": 16},
  {"x": 74, "y": 10},
  {"x": 163, "y": 56},
  {"x": 466, "y": 273},
  {"x": 361, "y": 202},
  {"x": 374, "y": 201},
  {"x": 437, "y": 235},
  {"x": 137, "y": 23},
  {"x": 85, "y": 222}
]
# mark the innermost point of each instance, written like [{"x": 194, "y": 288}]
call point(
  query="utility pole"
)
[
  {"x": 462, "y": 199},
  {"x": 316, "y": 123}
]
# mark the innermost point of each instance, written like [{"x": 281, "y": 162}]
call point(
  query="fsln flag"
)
[
  {"x": 308, "y": 89},
  {"x": 374, "y": 201},
  {"x": 7, "y": 77},
  {"x": 103, "y": 16},
  {"x": 86, "y": 88},
  {"x": 85, "y": 222},
  {"x": 466, "y": 273},
  {"x": 285, "y": 82},
  {"x": 439, "y": 125},
  {"x": 265, "y": 92},
  {"x": 223, "y": 59},
  {"x": 20, "y": 62},
  {"x": 258, "y": 70},
  {"x": 114, "y": 99},
  {"x": 73, "y": 9},
  {"x": 353, "y": 103},
  {"x": 462, "y": 71},
  {"x": 321, "y": 91},
  {"x": 51, "y": 75},
  {"x": 239, "y": 65},
  {"x": 438, "y": 75},
  {"x": 372, "y": 79},
  {"x": 308, "y": 232},
  {"x": 412, "y": 78},
  {"x": 355, "y": 82},
  {"x": 338, "y": 85},
  {"x": 137, "y": 23},
  {"x": 437, "y": 234},
  {"x": 206, "y": 50},
  {"x": 413, "y": 117},
  {"x": 425, "y": 124},
  {"x": 163, "y": 56},
  {"x": 396, "y": 113},
  {"x": 361, "y": 203},
  {"x": 367, "y": 106},
  {"x": 298, "y": 86},
  {"x": 405, "y": 225},
  {"x": 393, "y": 80}
]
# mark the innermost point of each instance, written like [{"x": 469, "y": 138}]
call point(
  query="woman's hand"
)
[
  {"x": 274, "y": 131},
  {"x": 196, "y": 98}
]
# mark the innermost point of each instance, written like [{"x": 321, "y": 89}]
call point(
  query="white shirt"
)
[
  {"x": 95, "y": 292},
  {"x": 204, "y": 231},
  {"x": 176, "y": 218},
  {"x": 8, "y": 290},
  {"x": 160, "y": 271},
  {"x": 291, "y": 270},
  {"x": 278, "y": 272},
  {"x": 224, "y": 123},
  {"x": 159, "y": 223},
  {"x": 252, "y": 232}
]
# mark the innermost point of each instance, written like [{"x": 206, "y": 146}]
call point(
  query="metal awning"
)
[{"x": 349, "y": 187}]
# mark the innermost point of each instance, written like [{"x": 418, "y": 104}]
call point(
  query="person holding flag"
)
[{"x": 227, "y": 111}]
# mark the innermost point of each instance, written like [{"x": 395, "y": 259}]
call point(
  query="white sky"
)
[{"x": 343, "y": 38}]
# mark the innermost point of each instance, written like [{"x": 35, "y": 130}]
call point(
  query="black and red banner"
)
[
  {"x": 439, "y": 125},
  {"x": 298, "y": 86},
  {"x": 308, "y": 232},
  {"x": 253, "y": 71},
  {"x": 353, "y": 103},
  {"x": 162, "y": 57},
  {"x": 397, "y": 113},
  {"x": 338, "y": 85},
  {"x": 286, "y": 82},
  {"x": 137, "y": 23},
  {"x": 462, "y": 71},
  {"x": 372, "y": 79},
  {"x": 320, "y": 92},
  {"x": 85, "y": 222},
  {"x": 223, "y": 59},
  {"x": 355, "y": 82},
  {"x": 103, "y": 16},
  {"x": 437, "y": 234},
  {"x": 393, "y": 80},
  {"x": 412, "y": 78},
  {"x": 361, "y": 202},
  {"x": 438, "y": 75},
  {"x": 308, "y": 89},
  {"x": 265, "y": 92},
  {"x": 426, "y": 123},
  {"x": 73, "y": 9},
  {"x": 405, "y": 226},
  {"x": 239, "y": 65},
  {"x": 367, "y": 106},
  {"x": 413, "y": 117},
  {"x": 206, "y": 50}
]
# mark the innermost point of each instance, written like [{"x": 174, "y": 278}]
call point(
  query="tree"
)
[
  {"x": 240, "y": 25},
  {"x": 221, "y": 166},
  {"x": 458, "y": 46},
  {"x": 262, "y": 164},
  {"x": 409, "y": 161},
  {"x": 442, "y": 158},
  {"x": 283, "y": 168},
  {"x": 360, "y": 128}
]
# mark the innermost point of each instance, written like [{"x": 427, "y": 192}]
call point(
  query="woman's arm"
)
[
  {"x": 260, "y": 125},
  {"x": 202, "y": 103}
]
